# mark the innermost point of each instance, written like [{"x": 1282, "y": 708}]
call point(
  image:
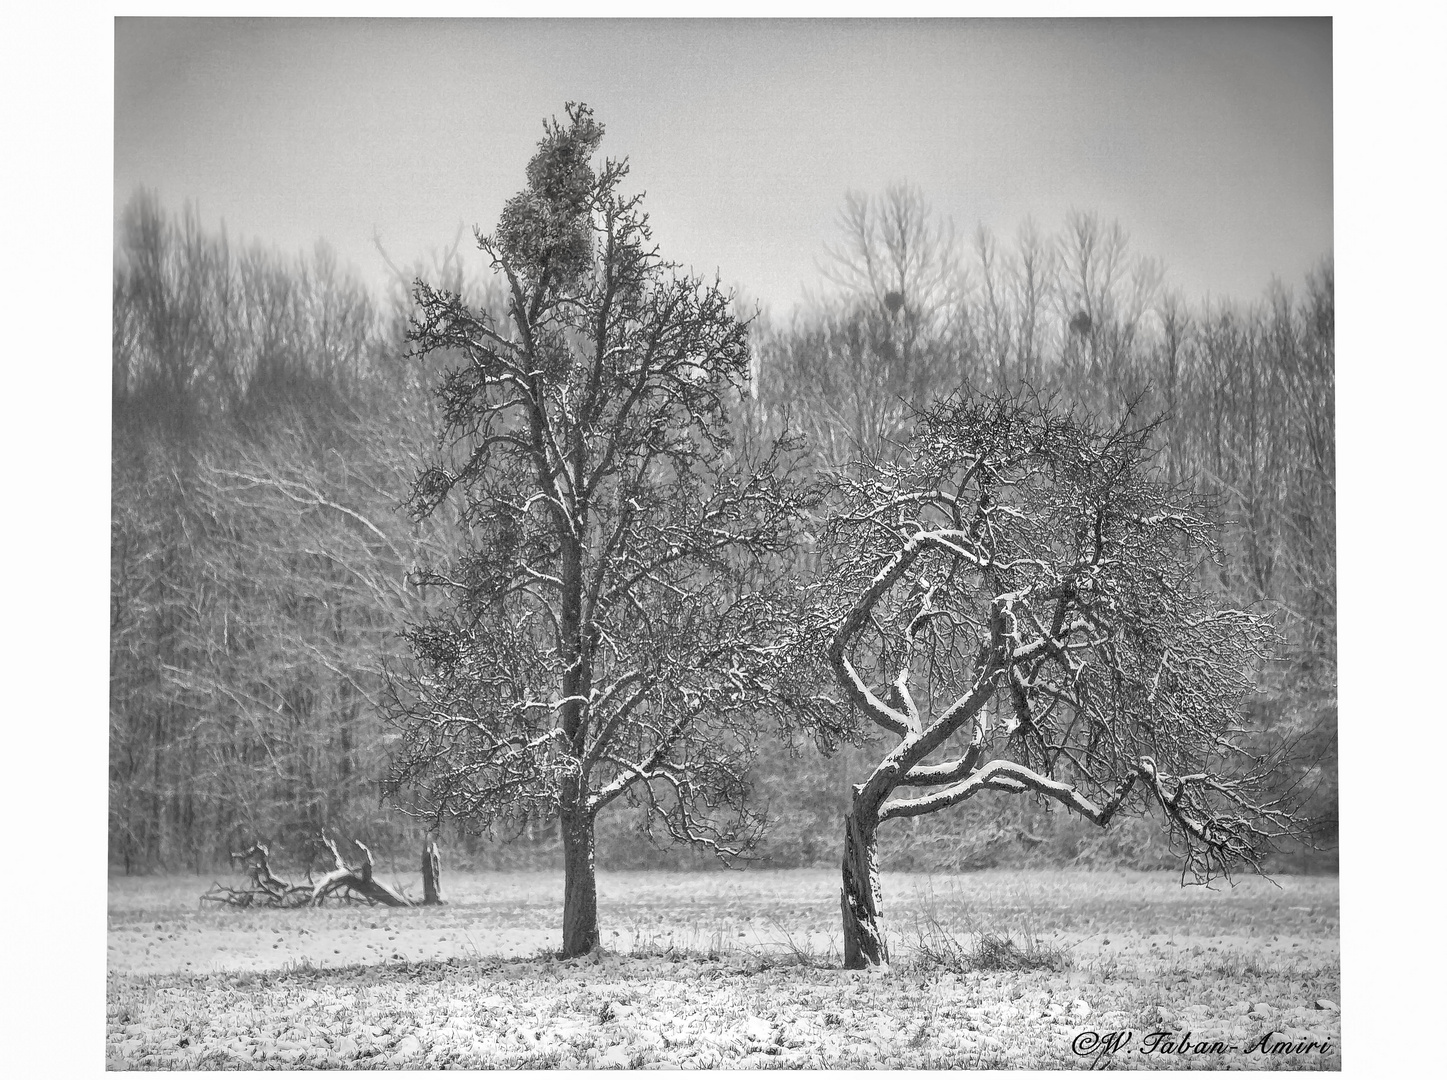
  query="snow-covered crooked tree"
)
[
  {"x": 1015, "y": 600},
  {"x": 615, "y": 627}
]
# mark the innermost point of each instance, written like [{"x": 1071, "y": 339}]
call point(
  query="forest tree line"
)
[{"x": 268, "y": 422}]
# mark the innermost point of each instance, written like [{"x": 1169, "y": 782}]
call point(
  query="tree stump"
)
[{"x": 431, "y": 874}]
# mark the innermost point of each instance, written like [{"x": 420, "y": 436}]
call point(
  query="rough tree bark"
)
[
  {"x": 860, "y": 900},
  {"x": 580, "y": 887},
  {"x": 431, "y": 874}
]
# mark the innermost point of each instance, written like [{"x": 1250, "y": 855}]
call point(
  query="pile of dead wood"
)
[{"x": 345, "y": 884}]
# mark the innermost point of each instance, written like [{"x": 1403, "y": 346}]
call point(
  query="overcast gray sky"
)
[{"x": 1209, "y": 140}]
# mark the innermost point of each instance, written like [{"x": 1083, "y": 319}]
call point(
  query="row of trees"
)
[
  {"x": 201, "y": 330},
  {"x": 635, "y": 572},
  {"x": 258, "y": 569},
  {"x": 1247, "y": 396}
]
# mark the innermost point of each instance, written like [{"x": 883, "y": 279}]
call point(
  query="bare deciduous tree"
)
[
  {"x": 613, "y": 623},
  {"x": 1011, "y": 603},
  {"x": 1105, "y": 290},
  {"x": 859, "y": 368},
  {"x": 895, "y": 252}
]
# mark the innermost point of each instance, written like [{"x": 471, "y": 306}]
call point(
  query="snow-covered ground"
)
[{"x": 728, "y": 970}]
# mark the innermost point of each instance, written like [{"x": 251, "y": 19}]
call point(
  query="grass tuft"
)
[
  {"x": 937, "y": 947},
  {"x": 800, "y": 952}
]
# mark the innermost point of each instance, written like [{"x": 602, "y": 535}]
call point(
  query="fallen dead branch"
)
[
  {"x": 344, "y": 883},
  {"x": 357, "y": 880}
]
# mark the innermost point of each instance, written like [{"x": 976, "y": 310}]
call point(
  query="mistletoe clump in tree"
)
[
  {"x": 617, "y": 619},
  {"x": 1016, "y": 601}
]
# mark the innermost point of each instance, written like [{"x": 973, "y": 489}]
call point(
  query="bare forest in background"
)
[{"x": 268, "y": 423}]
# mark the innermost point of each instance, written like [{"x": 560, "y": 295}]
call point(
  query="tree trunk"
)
[
  {"x": 431, "y": 874},
  {"x": 580, "y": 888},
  {"x": 860, "y": 899}
]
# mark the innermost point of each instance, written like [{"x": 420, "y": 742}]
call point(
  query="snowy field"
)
[{"x": 734, "y": 970}]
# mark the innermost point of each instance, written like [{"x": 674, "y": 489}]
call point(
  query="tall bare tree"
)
[
  {"x": 1010, "y": 602},
  {"x": 615, "y": 621},
  {"x": 895, "y": 252},
  {"x": 856, "y": 369},
  {"x": 1106, "y": 290}
]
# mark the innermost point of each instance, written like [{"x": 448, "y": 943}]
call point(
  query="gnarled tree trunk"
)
[
  {"x": 860, "y": 898},
  {"x": 580, "y": 888}
]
